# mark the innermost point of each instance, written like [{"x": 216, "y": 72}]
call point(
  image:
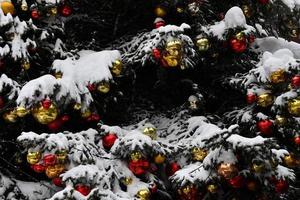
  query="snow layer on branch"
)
[
  {"x": 284, "y": 172},
  {"x": 238, "y": 141},
  {"x": 234, "y": 18},
  {"x": 292, "y": 4},
  {"x": 13, "y": 85}
]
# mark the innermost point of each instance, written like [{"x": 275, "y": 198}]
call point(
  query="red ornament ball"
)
[
  {"x": 172, "y": 168},
  {"x": 281, "y": 186},
  {"x": 237, "y": 181},
  {"x": 65, "y": 10},
  {"x": 297, "y": 140},
  {"x": 109, "y": 140},
  {"x": 49, "y": 159},
  {"x": 251, "y": 98},
  {"x": 65, "y": 118},
  {"x": 91, "y": 87},
  {"x": 93, "y": 118},
  {"x": 238, "y": 46},
  {"x": 251, "y": 38},
  {"x": 139, "y": 167},
  {"x": 159, "y": 22},
  {"x": 156, "y": 53},
  {"x": 38, "y": 168},
  {"x": 57, "y": 182},
  {"x": 46, "y": 103},
  {"x": 35, "y": 14},
  {"x": 83, "y": 189},
  {"x": 265, "y": 127},
  {"x": 55, "y": 125},
  {"x": 295, "y": 82},
  {"x": 263, "y": 1},
  {"x": 1, "y": 102}
]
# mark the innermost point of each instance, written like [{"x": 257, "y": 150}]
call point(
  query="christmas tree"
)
[{"x": 186, "y": 99}]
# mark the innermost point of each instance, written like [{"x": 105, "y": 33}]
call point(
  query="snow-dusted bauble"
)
[
  {"x": 294, "y": 107},
  {"x": 194, "y": 102},
  {"x": 33, "y": 157},
  {"x": 238, "y": 43},
  {"x": 103, "y": 87},
  {"x": 251, "y": 98},
  {"x": 237, "y": 181},
  {"x": 7, "y": 7},
  {"x": 58, "y": 182},
  {"x": 281, "y": 186},
  {"x": 108, "y": 140},
  {"x": 188, "y": 192},
  {"x": 54, "y": 171},
  {"x": 212, "y": 188},
  {"x": 65, "y": 10},
  {"x": 172, "y": 54},
  {"x": 172, "y": 168},
  {"x": 277, "y": 76},
  {"x": 158, "y": 22},
  {"x": 10, "y": 116},
  {"x": 202, "y": 44},
  {"x": 227, "y": 170},
  {"x": 265, "y": 100},
  {"x": 45, "y": 116},
  {"x": 280, "y": 120},
  {"x": 265, "y": 127},
  {"x": 295, "y": 82},
  {"x": 159, "y": 158},
  {"x": 160, "y": 11},
  {"x": 143, "y": 194},
  {"x": 117, "y": 68},
  {"x": 49, "y": 159},
  {"x": 38, "y": 168},
  {"x": 151, "y": 132},
  {"x": 198, "y": 154},
  {"x": 83, "y": 189},
  {"x": 61, "y": 156},
  {"x": 35, "y": 14},
  {"x": 22, "y": 111}
]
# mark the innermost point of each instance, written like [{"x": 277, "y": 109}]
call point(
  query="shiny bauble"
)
[
  {"x": 58, "y": 75},
  {"x": 8, "y": 7},
  {"x": 227, "y": 170},
  {"x": 22, "y": 111},
  {"x": 289, "y": 161},
  {"x": 251, "y": 98},
  {"x": 297, "y": 140},
  {"x": 91, "y": 87},
  {"x": 247, "y": 11},
  {"x": 143, "y": 194},
  {"x": 35, "y": 14},
  {"x": 237, "y": 181},
  {"x": 127, "y": 180},
  {"x": 54, "y": 171},
  {"x": 294, "y": 107},
  {"x": 65, "y": 10},
  {"x": 117, "y": 68},
  {"x": 212, "y": 188},
  {"x": 83, "y": 189},
  {"x": 139, "y": 167},
  {"x": 61, "y": 156},
  {"x": 202, "y": 44},
  {"x": 58, "y": 182},
  {"x": 38, "y": 168},
  {"x": 156, "y": 53},
  {"x": 159, "y": 159},
  {"x": 265, "y": 127},
  {"x": 85, "y": 114},
  {"x": 46, "y": 103},
  {"x": 25, "y": 64},
  {"x": 265, "y": 100},
  {"x": 24, "y": 7},
  {"x": 238, "y": 43},
  {"x": 172, "y": 168},
  {"x": 55, "y": 125},
  {"x": 103, "y": 87},
  {"x": 258, "y": 167},
  {"x": 49, "y": 159},
  {"x": 188, "y": 192},
  {"x": 281, "y": 186},
  {"x": 10, "y": 116},
  {"x": 33, "y": 157},
  {"x": 159, "y": 22},
  {"x": 198, "y": 154},
  {"x": 295, "y": 82},
  {"x": 77, "y": 106},
  {"x": 151, "y": 132},
  {"x": 53, "y": 11},
  {"x": 136, "y": 156},
  {"x": 280, "y": 120},
  {"x": 172, "y": 54},
  {"x": 160, "y": 11},
  {"x": 108, "y": 140},
  {"x": 45, "y": 116},
  {"x": 277, "y": 76}
]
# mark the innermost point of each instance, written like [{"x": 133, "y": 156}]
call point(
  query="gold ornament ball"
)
[
  {"x": 179, "y": 9},
  {"x": 227, "y": 170},
  {"x": 33, "y": 157},
  {"x": 289, "y": 161},
  {"x": 136, "y": 156},
  {"x": 86, "y": 113},
  {"x": 22, "y": 111},
  {"x": 24, "y": 7},
  {"x": 25, "y": 64},
  {"x": 294, "y": 107},
  {"x": 203, "y": 44},
  {"x": 159, "y": 159},
  {"x": 265, "y": 100},
  {"x": 247, "y": 11},
  {"x": 159, "y": 11},
  {"x": 258, "y": 167},
  {"x": 62, "y": 156},
  {"x": 45, "y": 116},
  {"x": 10, "y": 116},
  {"x": 277, "y": 76},
  {"x": 198, "y": 154},
  {"x": 280, "y": 120},
  {"x": 58, "y": 75},
  {"x": 151, "y": 132},
  {"x": 77, "y": 106},
  {"x": 53, "y": 11},
  {"x": 54, "y": 171},
  {"x": 127, "y": 180},
  {"x": 240, "y": 35},
  {"x": 117, "y": 68},
  {"x": 294, "y": 33},
  {"x": 8, "y": 7},
  {"x": 212, "y": 188},
  {"x": 103, "y": 87},
  {"x": 172, "y": 54},
  {"x": 143, "y": 194}
]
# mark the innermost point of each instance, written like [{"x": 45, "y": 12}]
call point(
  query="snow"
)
[
  {"x": 7, "y": 82},
  {"x": 284, "y": 172},
  {"x": 239, "y": 141},
  {"x": 292, "y": 4}
]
